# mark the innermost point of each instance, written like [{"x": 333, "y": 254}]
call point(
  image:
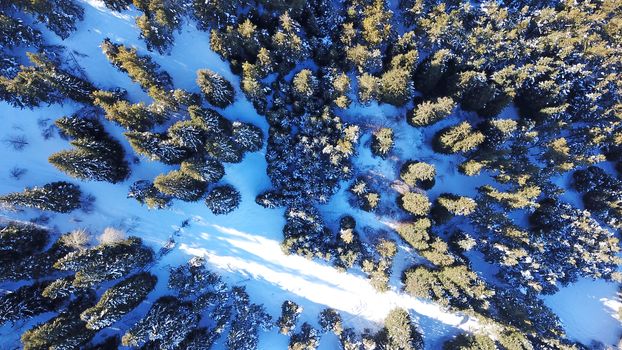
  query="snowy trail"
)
[{"x": 262, "y": 258}]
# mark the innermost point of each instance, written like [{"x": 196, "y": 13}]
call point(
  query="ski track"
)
[{"x": 244, "y": 245}]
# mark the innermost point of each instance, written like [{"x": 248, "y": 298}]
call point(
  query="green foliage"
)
[
  {"x": 459, "y": 138},
  {"x": 61, "y": 197},
  {"x": 395, "y": 86},
  {"x": 429, "y": 112},
  {"x": 415, "y": 203},
  {"x": 117, "y": 301},
  {"x": 216, "y": 89},
  {"x": 418, "y": 174},
  {"x": 180, "y": 185},
  {"x": 222, "y": 200},
  {"x": 105, "y": 262}
]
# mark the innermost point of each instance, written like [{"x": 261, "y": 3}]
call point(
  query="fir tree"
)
[
  {"x": 222, "y": 200},
  {"x": 180, "y": 185},
  {"x": 203, "y": 169},
  {"x": 419, "y": 174},
  {"x": 65, "y": 331},
  {"x": 247, "y": 137},
  {"x": 117, "y": 301},
  {"x": 400, "y": 332},
  {"x": 459, "y": 138},
  {"x": 415, "y": 203},
  {"x": 26, "y": 302},
  {"x": 290, "y": 311},
  {"x": 216, "y": 89},
  {"x": 429, "y": 112},
  {"x": 61, "y": 197},
  {"x": 146, "y": 193},
  {"x": 382, "y": 142},
  {"x": 105, "y": 261}
]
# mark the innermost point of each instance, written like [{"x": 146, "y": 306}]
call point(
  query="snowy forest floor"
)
[{"x": 244, "y": 245}]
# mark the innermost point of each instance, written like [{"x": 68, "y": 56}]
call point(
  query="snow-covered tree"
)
[
  {"x": 65, "y": 331},
  {"x": 168, "y": 322},
  {"x": 399, "y": 332},
  {"x": 223, "y": 199},
  {"x": 203, "y": 169},
  {"x": 180, "y": 185},
  {"x": 21, "y": 240},
  {"x": 248, "y": 320},
  {"x": 248, "y": 137},
  {"x": 117, "y": 301},
  {"x": 157, "y": 147},
  {"x": 193, "y": 278},
  {"x": 217, "y": 90},
  {"x": 290, "y": 312},
  {"x": 26, "y": 302},
  {"x": 307, "y": 339},
  {"x": 105, "y": 261},
  {"x": 146, "y": 193},
  {"x": 62, "y": 197}
]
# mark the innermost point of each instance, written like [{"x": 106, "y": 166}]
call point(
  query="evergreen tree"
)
[
  {"x": 216, "y": 89},
  {"x": 65, "y": 331},
  {"x": 135, "y": 117},
  {"x": 382, "y": 142},
  {"x": 117, "y": 301},
  {"x": 13, "y": 33},
  {"x": 396, "y": 86},
  {"x": 223, "y": 199},
  {"x": 429, "y": 112},
  {"x": 142, "y": 69},
  {"x": 448, "y": 204},
  {"x": 248, "y": 137},
  {"x": 418, "y": 174},
  {"x": 470, "y": 342},
  {"x": 60, "y": 16},
  {"x": 19, "y": 240},
  {"x": 105, "y": 262},
  {"x": 459, "y": 138},
  {"x": 157, "y": 147},
  {"x": 167, "y": 323},
  {"x": 26, "y": 302},
  {"x": 307, "y": 339},
  {"x": 203, "y": 169},
  {"x": 193, "y": 278},
  {"x": 188, "y": 134},
  {"x": 118, "y": 5},
  {"x": 180, "y": 185},
  {"x": 248, "y": 320},
  {"x": 431, "y": 70},
  {"x": 61, "y": 197},
  {"x": 415, "y": 203},
  {"x": 146, "y": 193},
  {"x": 290, "y": 312},
  {"x": 330, "y": 321},
  {"x": 399, "y": 332}
]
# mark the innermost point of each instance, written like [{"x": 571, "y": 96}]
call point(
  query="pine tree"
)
[
  {"x": 395, "y": 86},
  {"x": 157, "y": 147},
  {"x": 248, "y": 320},
  {"x": 26, "y": 302},
  {"x": 431, "y": 70},
  {"x": 203, "y": 169},
  {"x": 307, "y": 339},
  {"x": 13, "y": 33},
  {"x": 65, "y": 331},
  {"x": 117, "y": 301},
  {"x": 135, "y": 117},
  {"x": 429, "y": 112},
  {"x": 382, "y": 142},
  {"x": 400, "y": 332},
  {"x": 20, "y": 240},
  {"x": 61, "y": 197},
  {"x": 146, "y": 193},
  {"x": 216, "y": 89},
  {"x": 188, "y": 134},
  {"x": 193, "y": 279},
  {"x": 167, "y": 323},
  {"x": 248, "y": 137},
  {"x": 448, "y": 204},
  {"x": 118, "y": 5},
  {"x": 60, "y": 16},
  {"x": 458, "y": 138},
  {"x": 415, "y": 203},
  {"x": 222, "y": 200},
  {"x": 330, "y": 321},
  {"x": 470, "y": 342},
  {"x": 180, "y": 185},
  {"x": 105, "y": 261},
  {"x": 290, "y": 312},
  {"x": 418, "y": 174}
]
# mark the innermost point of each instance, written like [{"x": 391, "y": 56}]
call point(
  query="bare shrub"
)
[
  {"x": 111, "y": 235},
  {"x": 78, "y": 239}
]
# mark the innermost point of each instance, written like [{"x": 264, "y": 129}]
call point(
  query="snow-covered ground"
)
[{"x": 244, "y": 245}]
